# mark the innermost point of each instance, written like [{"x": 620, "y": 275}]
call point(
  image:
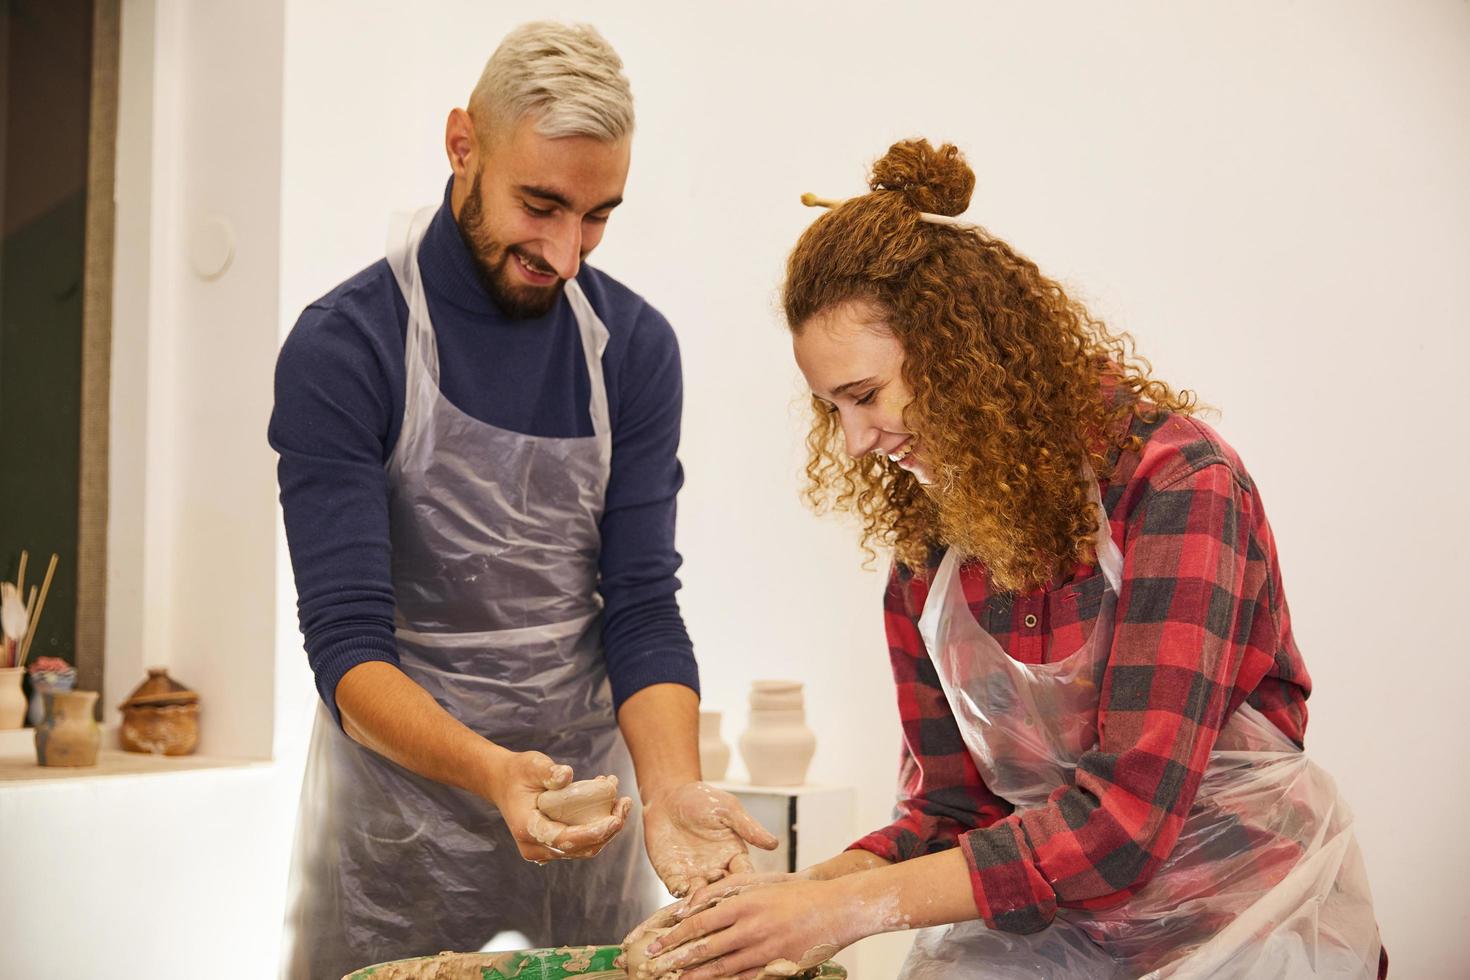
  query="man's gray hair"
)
[{"x": 567, "y": 76}]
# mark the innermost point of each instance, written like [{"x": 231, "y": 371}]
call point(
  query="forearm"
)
[
  {"x": 846, "y": 863},
  {"x": 661, "y": 726},
  {"x": 926, "y": 891},
  {"x": 383, "y": 710}
]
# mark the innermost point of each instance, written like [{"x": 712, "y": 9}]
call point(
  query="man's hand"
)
[
  {"x": 697, "y": 834},
  {"x": 520, "y": 777}
]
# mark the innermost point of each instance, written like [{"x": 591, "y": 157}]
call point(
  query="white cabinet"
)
[{"x": 812, "y": 823}]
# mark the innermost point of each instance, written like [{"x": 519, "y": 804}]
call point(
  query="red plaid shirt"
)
[{"x": 1201, "y": 626}]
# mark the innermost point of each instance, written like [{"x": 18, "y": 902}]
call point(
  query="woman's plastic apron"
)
[
  {"x": 1266, "y": 879},
  {"x": 495, "y": 561}
]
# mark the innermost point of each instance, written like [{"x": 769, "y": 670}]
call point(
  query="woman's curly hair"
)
[{"x": 1018, "y": 390}]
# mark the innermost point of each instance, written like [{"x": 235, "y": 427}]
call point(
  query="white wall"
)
[
  {"x": 1270, "y": 197},
  {"x": 191, "y": 556},
  {"x": 155, "y": 875}
]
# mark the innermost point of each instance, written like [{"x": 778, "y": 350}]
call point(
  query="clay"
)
[
  {"x": 474, "y": 966},
  {"x": 161, "y": 716},
  {"x": 636, "y": 948},
  {"x": 69, "y": 735},
  {"x": 448, "y": 966},
  {"x": 583, "y": 802},
  {"x": 579, "y": 959},
  {"x": 810, "y": 960}
]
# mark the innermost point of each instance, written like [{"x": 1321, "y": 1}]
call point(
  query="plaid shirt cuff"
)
[
  {"x": 880, "y": 844},
  {"x": 1010, "y": 892}
]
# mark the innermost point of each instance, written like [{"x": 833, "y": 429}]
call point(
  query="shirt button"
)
[{"x": 1030, "y": 620}]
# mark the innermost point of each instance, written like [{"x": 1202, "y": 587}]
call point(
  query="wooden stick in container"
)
[
  {"x": 20, "y": 580},
  {"x": 20, "y": 642},
  {"x": 36, "y": 615}
]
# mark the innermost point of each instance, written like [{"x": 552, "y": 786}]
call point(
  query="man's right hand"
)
[
  {"x": 384, "y": 710},
  {"x": 518, "y": 778}
]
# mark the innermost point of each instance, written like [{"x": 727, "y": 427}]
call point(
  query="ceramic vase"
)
[
  {"x": 777, "y": 747},
  {"x": 37, "y": 712},
  {"x": 12, "y": 698},
  {"x": 160, "y": 717},
  {"x": 69, "y": 734},
  {"x": 714, "y": 754}
]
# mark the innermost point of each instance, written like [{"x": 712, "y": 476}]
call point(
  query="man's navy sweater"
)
[{"x": 339, "y": 406}]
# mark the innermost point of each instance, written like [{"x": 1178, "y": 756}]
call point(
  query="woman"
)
[{"x": 1103, "y": 706}]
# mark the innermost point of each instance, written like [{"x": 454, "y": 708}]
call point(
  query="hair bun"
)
[{"x": 937, "y": 181}]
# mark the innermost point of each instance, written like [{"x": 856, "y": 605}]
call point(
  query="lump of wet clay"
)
[
  {"x": 635, "y": 949},
  {"x": 813, "y": 958},
  {"x": 583, "y": 802}
]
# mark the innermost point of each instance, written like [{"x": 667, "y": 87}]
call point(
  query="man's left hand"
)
[{"x": 697, "y": 834}]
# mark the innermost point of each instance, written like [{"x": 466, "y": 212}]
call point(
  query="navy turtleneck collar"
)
[{"x": 449, "y": 269}]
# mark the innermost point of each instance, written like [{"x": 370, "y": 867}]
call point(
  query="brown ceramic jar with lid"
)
[{"x": 161, "y": 717}]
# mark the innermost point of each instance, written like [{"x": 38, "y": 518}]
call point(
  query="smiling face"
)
[
  {"x": 853, "y": 363},
  {"x": 530, "y": 208}
]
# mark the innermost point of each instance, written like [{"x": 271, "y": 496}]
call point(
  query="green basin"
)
[{"x": 526, "y": 964}]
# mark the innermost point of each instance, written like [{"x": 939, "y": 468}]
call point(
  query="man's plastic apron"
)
[
  {"x": 1266, "y": 879},
  {"x": 495, "y": 562}
]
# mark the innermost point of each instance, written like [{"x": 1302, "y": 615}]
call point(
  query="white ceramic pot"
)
[
  {"x": 12, "y": 698},
  {"x": 777, "y": 747},
  {"x": 714, "y": 754}
]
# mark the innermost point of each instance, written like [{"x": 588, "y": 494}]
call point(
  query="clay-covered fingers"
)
[
  {"x": 580, "y": 840},
  {"x": 689, "y": 942},
  {"x": 539, "y": 853},
  {"x": 682, "y": 885},
  {"x": 701, "y": 899},
  {"x": 749, "y": 830},
  {"x": 720, "y": 954},
  {"x": 664, "y": 918},
  {"x": 550, "y": 774}
]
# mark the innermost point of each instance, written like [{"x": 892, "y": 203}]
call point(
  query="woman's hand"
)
[
  {"x": 698, "y": 901},
  {"x": 801, "y": 922}
]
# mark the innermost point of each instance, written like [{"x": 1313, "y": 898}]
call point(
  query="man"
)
[{"x": 477, "y": 440}]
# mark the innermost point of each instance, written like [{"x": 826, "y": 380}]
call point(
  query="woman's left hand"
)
[{"x": 802, "y": 922}]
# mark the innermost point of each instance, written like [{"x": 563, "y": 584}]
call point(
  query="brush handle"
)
[{"x": 35, "y": 617}]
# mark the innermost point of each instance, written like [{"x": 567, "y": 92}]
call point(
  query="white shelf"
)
[{"x": 18, "y": 764}]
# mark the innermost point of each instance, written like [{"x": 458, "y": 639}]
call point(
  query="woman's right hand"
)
[
  {"x": 703, "y": 898},
  {"x": 846, "y": 863},
  {"x": 517, "y": 779}
]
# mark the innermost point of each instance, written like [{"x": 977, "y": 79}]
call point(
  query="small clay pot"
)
[
  {"x": 161, "y": 717},
  {"x": 167, "y": 729},
  {"x": 36, "y": 713},
  {"x": 584, "y": 802},
  {"x": 69, "y": 735}
]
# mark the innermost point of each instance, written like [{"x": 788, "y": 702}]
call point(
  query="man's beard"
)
[{"x": 516, "y": 300}]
